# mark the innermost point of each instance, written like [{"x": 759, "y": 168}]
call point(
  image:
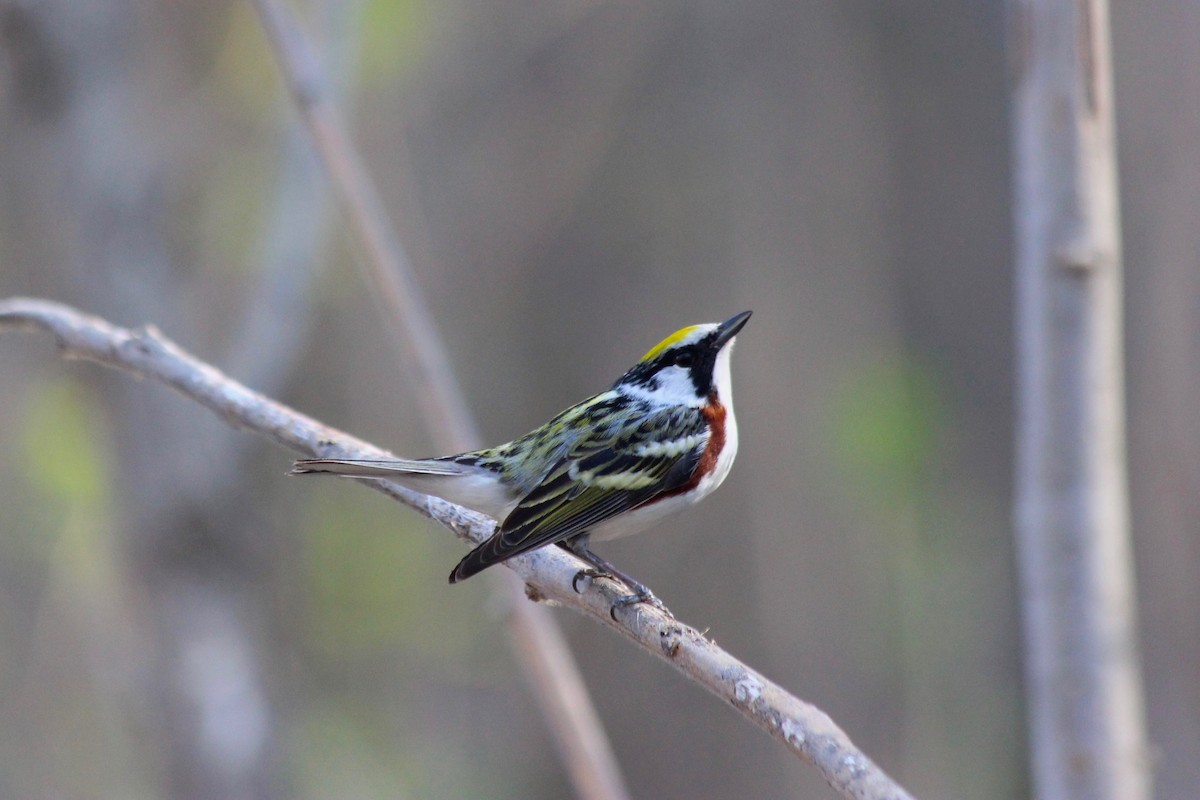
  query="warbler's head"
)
[{"x": 688, "y": 367}]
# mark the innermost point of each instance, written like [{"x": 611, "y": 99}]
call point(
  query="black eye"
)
[{"x": 684, "y": 359}]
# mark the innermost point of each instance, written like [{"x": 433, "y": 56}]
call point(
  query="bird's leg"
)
[
  {"x": 577, "y": 547},
  {"x": 602, "y": 568}
]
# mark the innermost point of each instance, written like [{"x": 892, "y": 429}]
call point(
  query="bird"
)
[{"x": 663, "y": 437}]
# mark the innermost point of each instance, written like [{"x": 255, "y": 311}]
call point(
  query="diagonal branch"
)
[
  {"x": 389, "y": 269},
  {"x": 803, "y": 729},
  {"x": 554, "y": 678}
]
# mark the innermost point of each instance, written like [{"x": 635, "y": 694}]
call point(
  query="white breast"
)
[{"x": 640, "y": 519}]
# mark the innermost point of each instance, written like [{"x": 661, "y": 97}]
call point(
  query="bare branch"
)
[
  {"x": 554, "y": 676},
  {"x": 802, "y": 728},
  {"x": 389, "y": 269}
]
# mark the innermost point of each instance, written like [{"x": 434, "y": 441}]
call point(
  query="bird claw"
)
[
  {"x": 642, "y": 596},
  {"x": 590, "y": 574}
]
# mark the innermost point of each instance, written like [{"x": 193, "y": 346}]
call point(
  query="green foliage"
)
[
  {"x": 394, "y": 35},
  {"x": 372, "y": 569},
  {"x": 228, "y": 208},
  {"x": 352, "y": 749},
  {"x": 343, "y": 755},
  {"x": 63, "y": 457},
  {"x": 67, "y": 460},
  {"x": 885, "y": 423},
  {"x": 245, "y": 78}
]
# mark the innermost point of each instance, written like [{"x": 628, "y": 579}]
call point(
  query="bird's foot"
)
[
  {"x": 590, "y": 574},
  {"x": 640, "y": 595}
]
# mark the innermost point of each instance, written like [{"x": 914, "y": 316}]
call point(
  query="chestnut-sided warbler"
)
[{"x": 663, "y": 437}]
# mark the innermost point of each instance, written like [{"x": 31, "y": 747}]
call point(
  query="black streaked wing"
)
[{"x": 581, "y": 492}]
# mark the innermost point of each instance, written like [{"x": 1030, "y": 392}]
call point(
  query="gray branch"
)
[
  {"x": 803, "y": 729},
  {"x": 1086, "y": 715},
  {"x": 554, "y": 677}
]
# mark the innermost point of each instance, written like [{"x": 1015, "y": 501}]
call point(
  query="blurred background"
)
[{"x": 573, "y": 181}]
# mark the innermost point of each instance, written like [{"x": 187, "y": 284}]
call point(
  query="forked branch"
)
[{"x": 802, "y": 728}]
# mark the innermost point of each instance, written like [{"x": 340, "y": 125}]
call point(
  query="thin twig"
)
[
  {"x": 802, "y": 728},
  {"x": 276, "y": 316},
  {"x": 553, "y": 674},
  {"x": 389, "y": 268}
]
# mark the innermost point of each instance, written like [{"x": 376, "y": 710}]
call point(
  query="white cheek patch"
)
[
  {"x": 675, "y": 384},
  {"x": 672, "y": 385}
]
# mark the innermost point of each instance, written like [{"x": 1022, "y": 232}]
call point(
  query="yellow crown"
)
[{"x": 674, "y": 338}]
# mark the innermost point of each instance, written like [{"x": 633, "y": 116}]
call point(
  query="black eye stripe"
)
[{"x": 695, "y": 358}]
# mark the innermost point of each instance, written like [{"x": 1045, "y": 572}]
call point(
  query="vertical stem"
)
[
  {"x": 389, "y": 269},
  {"x": 1087, "y": 729},
  {"x": 539, "y": 644}
]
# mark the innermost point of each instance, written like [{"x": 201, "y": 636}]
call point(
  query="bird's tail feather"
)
[{"x": 374, "y": 468}]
